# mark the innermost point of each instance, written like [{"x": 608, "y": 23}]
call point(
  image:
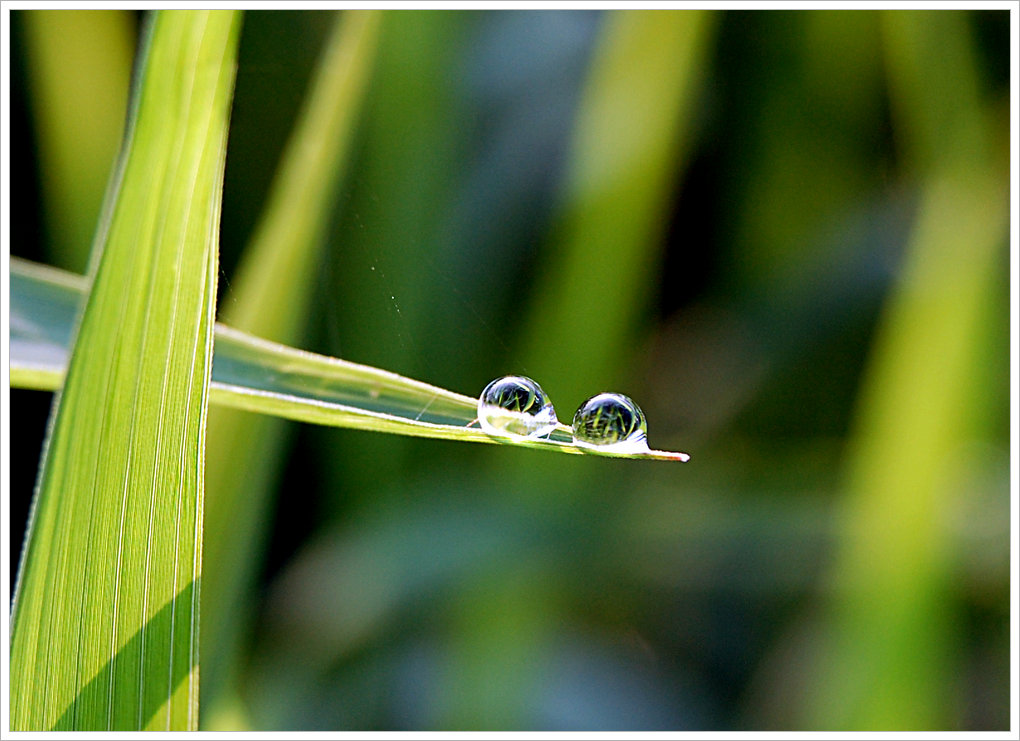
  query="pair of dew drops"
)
[{"x": 516, "y": 406}]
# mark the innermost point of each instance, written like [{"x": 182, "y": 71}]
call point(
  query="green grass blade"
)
[
  {"x": 80, "y": 70},
  {"x": 105, "y": 619},
  {"x": 270, "y": 297},
  {"x": 265, "y": 377}
]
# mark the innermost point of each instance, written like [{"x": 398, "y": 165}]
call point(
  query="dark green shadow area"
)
[{"x": 160, "y": 627}]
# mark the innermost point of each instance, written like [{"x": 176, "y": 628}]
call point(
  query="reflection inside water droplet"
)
[
  {"x": 611, "y": 422},
  {"x": 515, "y": 406}
]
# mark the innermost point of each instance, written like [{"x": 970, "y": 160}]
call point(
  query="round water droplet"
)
[
  {"x": 515, "y": 406},
  {"x": 611, "y": 422}
]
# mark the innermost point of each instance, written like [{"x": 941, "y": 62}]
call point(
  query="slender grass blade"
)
[{"x": 265, "y": 377}]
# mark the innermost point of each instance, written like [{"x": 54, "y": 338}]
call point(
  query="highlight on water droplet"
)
[
  {"x": 515, "y": 406},
  {"x": 612, "y": 423}
]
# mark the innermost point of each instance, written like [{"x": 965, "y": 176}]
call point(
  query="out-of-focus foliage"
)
[
  {"x": 812, "y": 236},
  {"x": 269, "y": 297},
  {"x": 79, "y": 67}
]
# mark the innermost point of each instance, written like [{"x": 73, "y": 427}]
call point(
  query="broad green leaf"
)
[
  {"x": 270, "y": 296},
  {"x": 265, "y": 377},
  {"x": 104, "y": 628},
  {"x": 79, "y": 65}
]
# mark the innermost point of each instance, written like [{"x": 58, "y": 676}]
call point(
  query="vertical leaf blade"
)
[{"x": 105, "y": 620}]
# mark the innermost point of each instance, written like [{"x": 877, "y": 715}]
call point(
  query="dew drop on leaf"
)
[
  {"x": 515, "y": 406},
  {"x": 611, "y": 422}
]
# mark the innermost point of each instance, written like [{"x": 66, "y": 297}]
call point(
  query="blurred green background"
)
[{"x": 784, "y": 234}]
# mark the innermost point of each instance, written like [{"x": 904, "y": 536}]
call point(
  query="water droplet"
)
[
  {"x": 611, "y": 422},
  {"x": 515, "y": 406}
]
